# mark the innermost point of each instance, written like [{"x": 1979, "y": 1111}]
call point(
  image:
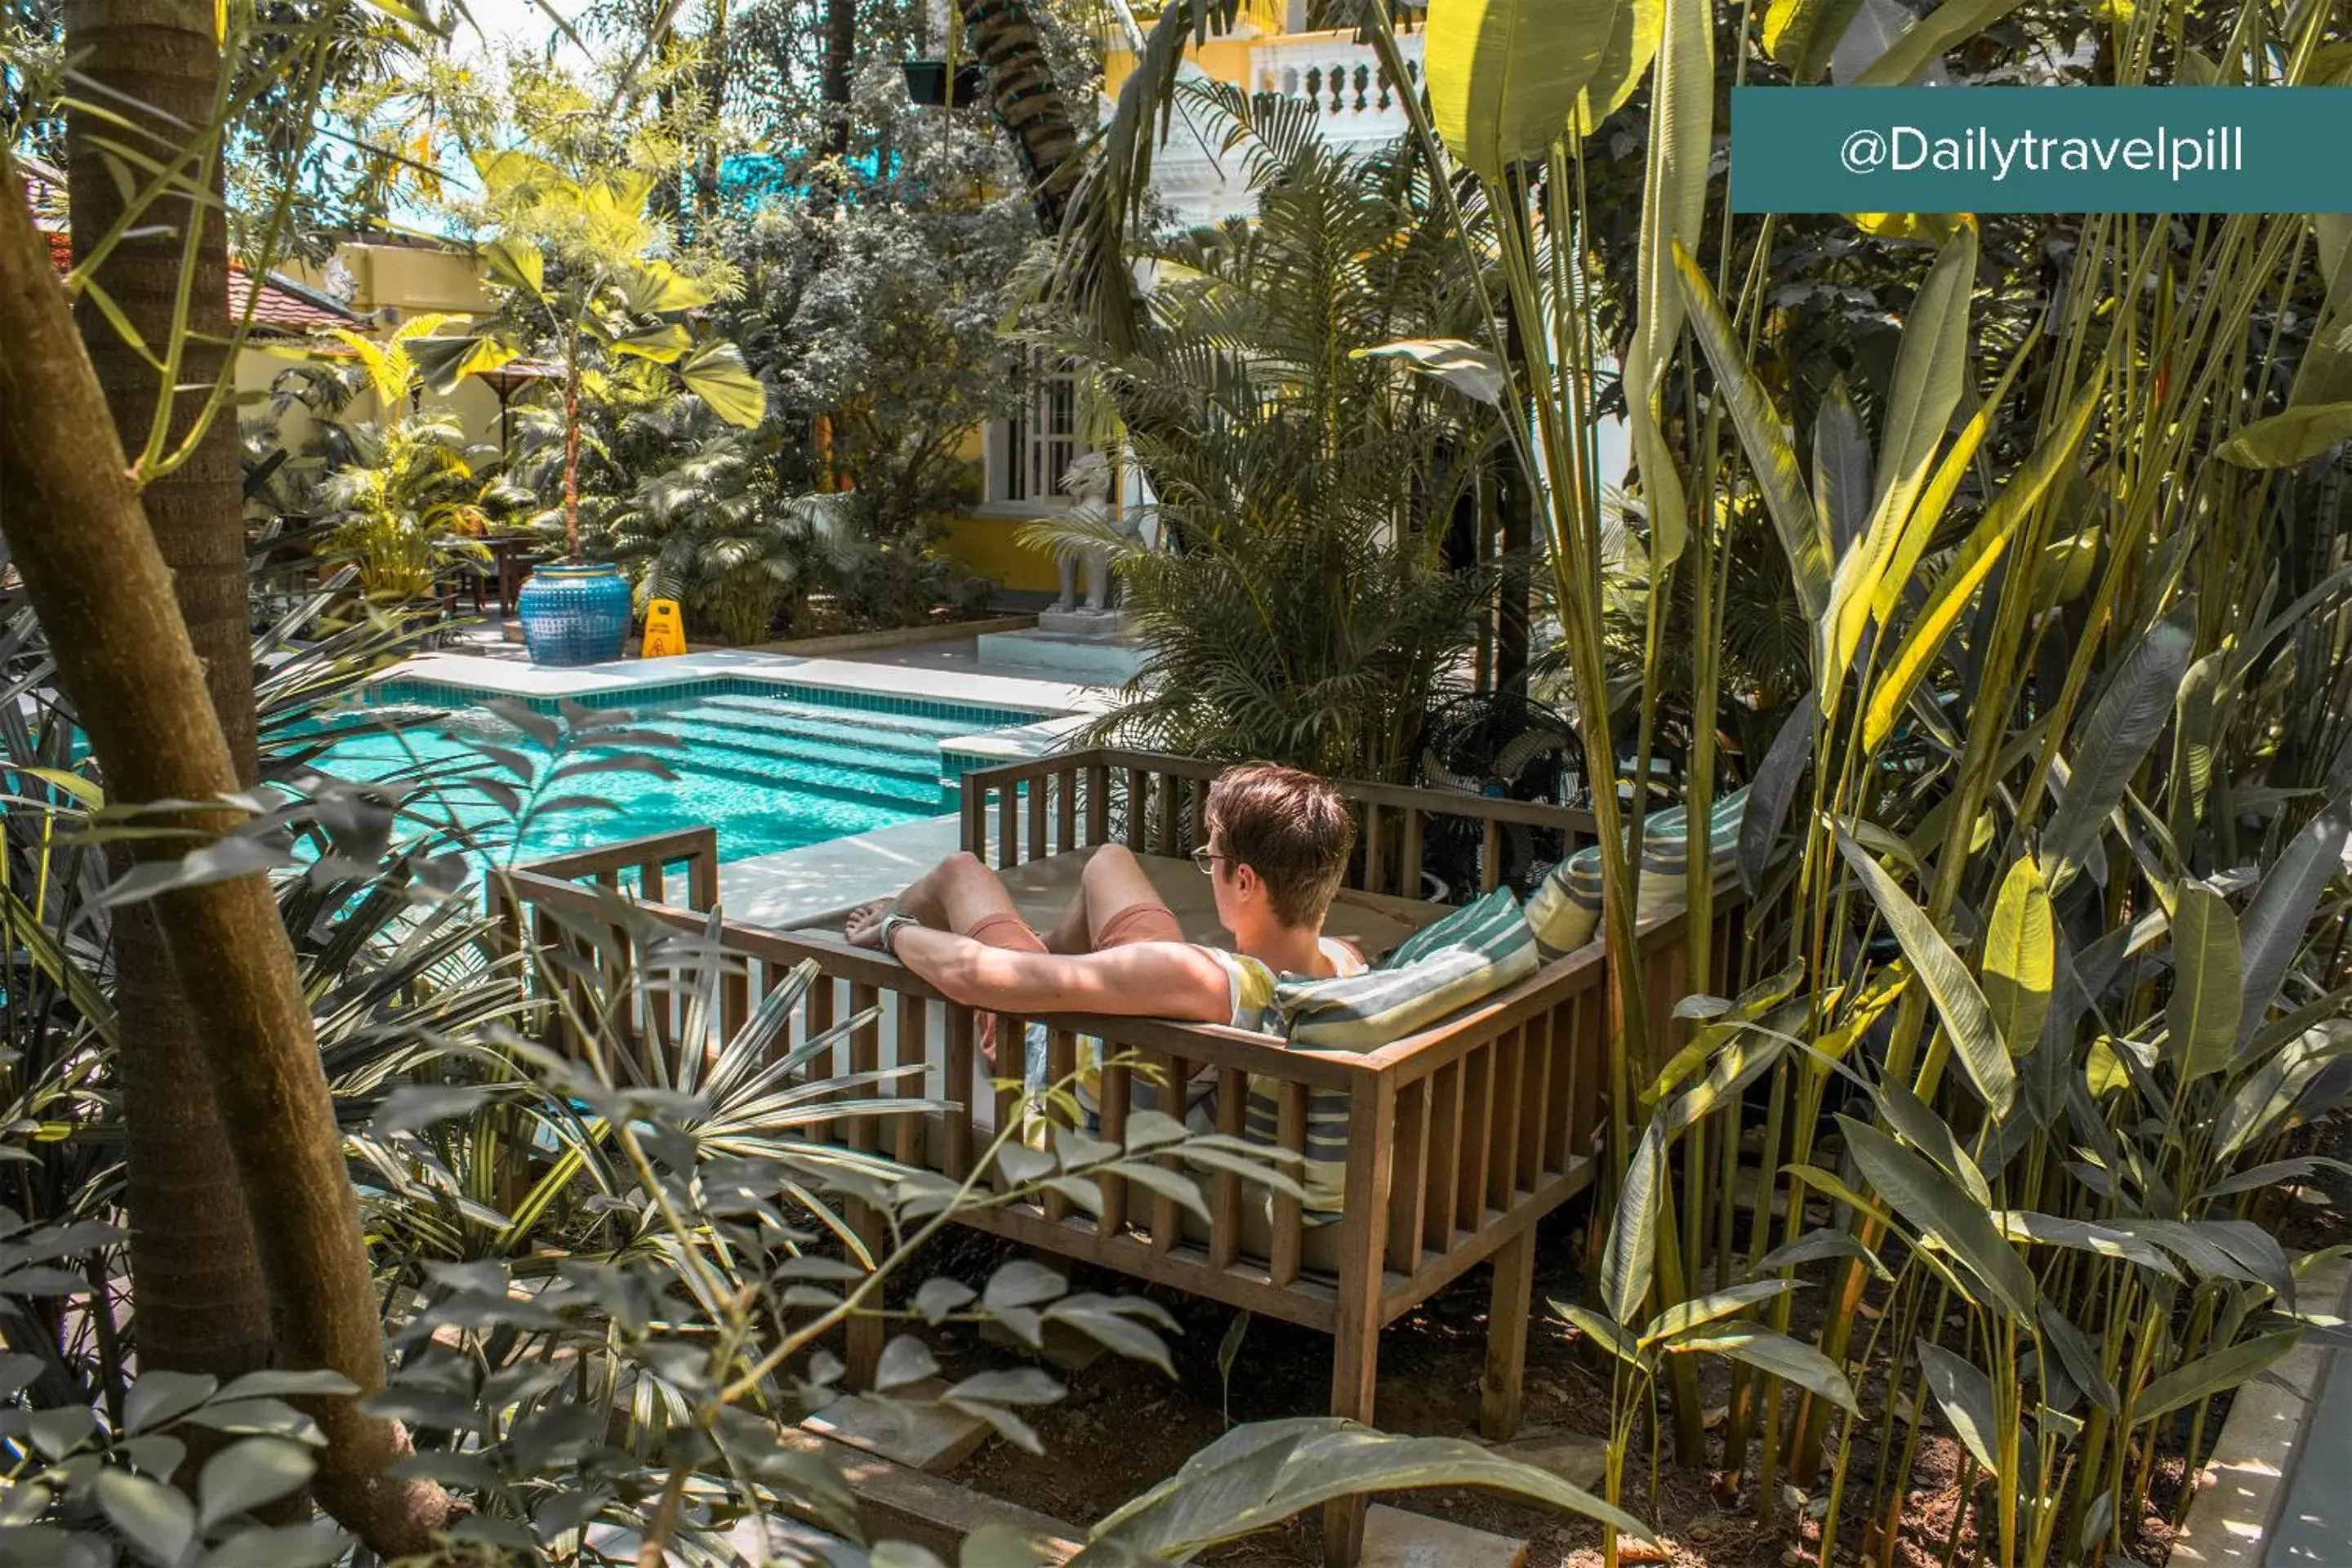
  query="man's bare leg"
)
[
  {"x": 957, "y": 894},
  {"x": 962, "y": 895}
]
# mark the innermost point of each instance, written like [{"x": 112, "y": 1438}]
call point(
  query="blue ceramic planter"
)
[{"x": 574, "y": 615}]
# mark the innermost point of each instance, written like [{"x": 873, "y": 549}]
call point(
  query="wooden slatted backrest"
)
[
  {"x": 1462, "y": 1123},
  {"x": 1158, "y": 805}
]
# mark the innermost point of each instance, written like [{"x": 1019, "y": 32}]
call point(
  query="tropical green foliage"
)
[
  {"x": 1297, "y": 600},
  {"x": 574, "y": 256},
  {"x": 2050, "y": 774},
  {"x": 611, "y": 1265},
  {"x": 409, "y": 499}
]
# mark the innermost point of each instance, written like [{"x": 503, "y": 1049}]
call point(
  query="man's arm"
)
[{"x": 1140, "y": 980}]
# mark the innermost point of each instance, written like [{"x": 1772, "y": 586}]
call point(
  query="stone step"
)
[
  {"x": 1062, "y": 656},
  {"x": 904, "y": 1429},
  {"x": 1394, "y": 1538}
]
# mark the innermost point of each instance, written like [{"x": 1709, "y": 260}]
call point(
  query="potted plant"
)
[
  {"x": 926, "y": 83},
  {"x": 605, "y": 297}
]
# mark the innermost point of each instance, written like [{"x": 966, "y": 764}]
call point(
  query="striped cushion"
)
[
  {"x": 1565, "y": 909},
  {"x": 1461, "y": 960}
]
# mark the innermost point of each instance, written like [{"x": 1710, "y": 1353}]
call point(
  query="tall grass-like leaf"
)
[
  {"x": 2082, "y": 1235},
  {"x": 2207, "y": 984},
  {"x": 2210, "y": 1375},
  {"x": 1674, "y": 211},
  {"x": 1961, "y": 1006},
  {"x": 1261, "y": 1474},
  {"x": 1935, "y": 499},
  {"x": 1773, "y": 1353},
  {"x": 1929, "y": 369},
  {"x": 2112, "y": 742},
  {"x": 2080, "y": 1361},
  {"x": 1608, "y": 1336},
  {"x": 1763, "y": 434},
  {"x": 2257, "y": 1105},
  {"x": 1774, "y": 786},
  {"x": 2296, "y": 436},
  {"x": 2020, "y": 957},
  {"x": 1945, "y": 1216},
  {"x": 1632, "y": 45},
  {"x": 1825, "y": 1243},
  {"x": 1714, "y": 1307},
  {"x": 2278, "y": 918},
  {"x": 1803, "y": 34},
  {"x": 2199, "y": 725},
  {"x": 1505, "y": 74},
  {"x": 1951, "y": 23},
  {"x": 1926, "y": 1132},
  {"x": 1842, "y": 469},
  {"x": 1970, "y": 569},
  {"x": 1625, "y": 1266},
  {"x": 1965, "y": 1395}
]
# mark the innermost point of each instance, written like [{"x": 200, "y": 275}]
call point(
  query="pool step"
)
[
  {"x": 897, "y": 773},
  {"x": 816, "y": 779},
  {"x": 822, "y": 717},
  {"x": 906, "y": 746}
]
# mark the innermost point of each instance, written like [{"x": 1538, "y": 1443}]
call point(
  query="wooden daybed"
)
[{"x": 1459, "y": 1138}]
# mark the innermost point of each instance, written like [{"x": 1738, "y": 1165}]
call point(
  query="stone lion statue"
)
[{"x": 1087, "y": 483}]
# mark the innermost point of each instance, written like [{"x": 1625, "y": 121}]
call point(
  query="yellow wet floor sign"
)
[{"x": 664, "y": 634}]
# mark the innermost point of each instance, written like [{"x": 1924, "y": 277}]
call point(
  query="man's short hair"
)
[{"x": 1289, "y": 827}]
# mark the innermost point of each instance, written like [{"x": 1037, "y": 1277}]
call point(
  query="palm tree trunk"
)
[
  {"x": 105, "y": 596},
  {"x": 834, "y": 80},
  {"x": 572, "y": 449},
  {"x": 1028, "y": 101},
  {"x": 196, "y": 1282}
]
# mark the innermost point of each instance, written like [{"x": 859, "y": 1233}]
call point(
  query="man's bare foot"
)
[{"x": 864, "y": 926}]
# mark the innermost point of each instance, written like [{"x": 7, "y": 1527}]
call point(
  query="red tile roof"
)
[{"x": 283, "y": 307}]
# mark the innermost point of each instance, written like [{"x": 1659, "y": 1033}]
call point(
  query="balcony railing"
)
[{"x": 1343, "y": 78}]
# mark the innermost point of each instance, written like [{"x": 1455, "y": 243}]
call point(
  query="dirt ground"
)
[{"x": 1123, "y": 1426}]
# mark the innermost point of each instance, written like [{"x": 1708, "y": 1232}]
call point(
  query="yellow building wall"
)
[
  {"x": 990, "y": 547},
  {"x": 408, "y": 278},
  {"x": 393, "y": 283},
  {"x": 1227, "y": 59},
  {"x": 989, "y": 543}
]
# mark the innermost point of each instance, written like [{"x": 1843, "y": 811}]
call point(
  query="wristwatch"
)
[{"x": 892, "y": 923}]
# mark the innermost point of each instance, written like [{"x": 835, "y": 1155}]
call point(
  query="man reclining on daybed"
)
[{"x": 1278, "y": 846}]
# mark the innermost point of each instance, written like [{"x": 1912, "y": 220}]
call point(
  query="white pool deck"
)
[
  {"x": 797, "y": 886},
  {"x": 933, "y": 679}
]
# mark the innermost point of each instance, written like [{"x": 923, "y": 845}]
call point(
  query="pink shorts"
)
[{"x": 1144, "y": 922}]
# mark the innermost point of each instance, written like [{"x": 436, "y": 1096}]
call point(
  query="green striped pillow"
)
[
  {"x": 1461, "y": 960},
  {"x": 1565, "y": 909},
  {"x": 1438, "y": 970}
]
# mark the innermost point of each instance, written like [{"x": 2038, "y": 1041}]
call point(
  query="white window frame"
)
[{"x": 1028, "y": 453}]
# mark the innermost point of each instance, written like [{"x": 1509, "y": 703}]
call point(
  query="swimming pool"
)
[{"x": 770, "y": 765}]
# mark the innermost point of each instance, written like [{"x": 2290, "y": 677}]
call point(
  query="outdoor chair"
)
[{"x": 1439, "y": 1148}]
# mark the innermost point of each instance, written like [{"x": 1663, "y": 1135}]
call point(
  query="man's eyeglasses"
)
[{"x": 1206, "y": 859}]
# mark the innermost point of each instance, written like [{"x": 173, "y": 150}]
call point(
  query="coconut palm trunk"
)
[
  {"x": 1003, "y": 37},
  {"x": 834, "y": 83},
  {"x": 105, "y": 595},
  {"x": 201, "y": 1303},
  {"x": 572, "y": 449}
]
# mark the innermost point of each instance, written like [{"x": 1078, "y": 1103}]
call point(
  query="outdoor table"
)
[{"x": 511, "y": 553}]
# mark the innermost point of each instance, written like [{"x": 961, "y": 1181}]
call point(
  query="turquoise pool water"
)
[{"x": 772, "y": 767}]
